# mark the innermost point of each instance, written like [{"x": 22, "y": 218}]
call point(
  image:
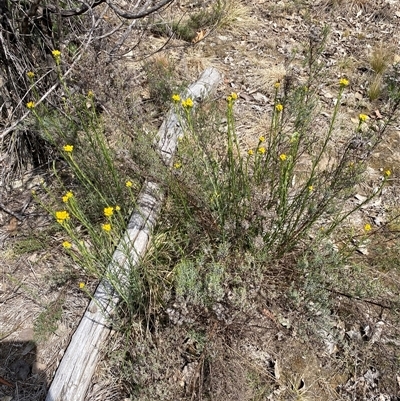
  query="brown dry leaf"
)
[
  {"x": 12, "y": 226},
  {"x": 199, "y": 36},
  {"x": 268, "y": 314}
]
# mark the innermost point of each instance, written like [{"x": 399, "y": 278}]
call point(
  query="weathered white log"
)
[{"x": 75, "y": 371}]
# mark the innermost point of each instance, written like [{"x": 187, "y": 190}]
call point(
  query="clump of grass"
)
[
  {"x": 160, "y": 76},
  {"x": 220, "y": 15},
  {"x": 375, "y": 87},
  {"x": 379, "y": 61},
  {"x": 380, "y": 58}
]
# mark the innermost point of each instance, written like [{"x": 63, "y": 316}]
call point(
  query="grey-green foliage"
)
[
  {"x": 200, "y": 281},
  {"x": 188, "y": 282}
]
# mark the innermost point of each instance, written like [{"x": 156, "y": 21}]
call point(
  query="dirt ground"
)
[{"x": 268, "y": 349}]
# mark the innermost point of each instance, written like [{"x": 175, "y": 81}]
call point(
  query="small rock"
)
[
  {"x": 38, "y": 368},
  {"x": 259, "y": 97}
]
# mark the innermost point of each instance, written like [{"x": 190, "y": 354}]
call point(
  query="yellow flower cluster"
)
[
  {"x": 261, "y": 138},
  {"x": 283, "y": 157},
  {"x": 106, "y": 227},
  {"x": 367, "y": 227},
  {"x": 61, "y": 216},
  {"x": 279, "y": 107},
  {"x": 277, "y": 85},
  {"x": 68, "y": 148},
  {"x": 67, "y": 245},
  {"x": 187, "y": 104},
  {"x": 30, "y": 105},
  {"x": 250, "y": 152},
  {"x": 344, "y": 82},
  {"x": 176, "y": 98},
  {"x": 30, "y": 74},
  {"x": 108, "y": 211},
  {"x": 363, "y": 118},
  {"x": 261, "y": 150},
  {"x": 129, "y": 184},
  {"x": 81, "y": 285},
  {"x": 388, "y": 173},
  {"x": 57, "y": 56},
  {"x": 177, "y": 165},
  {"x": 232, "y": 97},
  {"x": 67, "y": 196}
]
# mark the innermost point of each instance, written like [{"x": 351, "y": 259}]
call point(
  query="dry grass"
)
[
  {"x": 380, "y": 58},
  {"x": 236, "y": 16}
]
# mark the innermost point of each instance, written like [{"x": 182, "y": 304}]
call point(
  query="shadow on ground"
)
[{"x": 21, "y": 377}]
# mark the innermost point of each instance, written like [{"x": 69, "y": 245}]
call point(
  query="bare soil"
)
[{"x": 281, "y": 343}]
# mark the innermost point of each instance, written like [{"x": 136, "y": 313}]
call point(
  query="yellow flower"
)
[
  {"x": 30, "y": 105},
  {"x": 234, "y": 96},
  {"x": 30, "y": 74},
  {"x": 68, "y": 148},
  {"x": 363, "y": 117},
  {"x": 108, "y": 211},
  {"x": 343, "y": 82},
  {"x": 106, "y": 227},
  {"x": 117, "y": 208},
  {"x": 187, "y": 104},
  {"x": 367, "y": 227},
  {"x": 176, "y": 98},
  {"x": 229, "y": 99},
  {"x": 261, "y": 138},
  {"x": 61, "y": 216},
  {"x": 283, "y": 157},
  {"x": 81, "y": 285},
  {"x": 250, "y": 152},
  {"x": 56, "y": 53},
  {"x": 129, "y": 184},
  {"x": 67, "y": 245},
  {"x": 279, "y": 107},
  {"x": 277, "y": 85},
  {"x": 177, "y": 165},
  {"x": 90, "y": 94},
  {"x": 67, "y": 196},
  {"x": 388, "y": 173},
  {"x": 261, "y": 150},
  {"x": 310, "y": 188}
]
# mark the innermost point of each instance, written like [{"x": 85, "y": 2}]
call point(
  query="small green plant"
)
[
  {"x": 29, "y": 245},
  {"x": 47, "y": 322},
  {"x": 160, "y": 73}
]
